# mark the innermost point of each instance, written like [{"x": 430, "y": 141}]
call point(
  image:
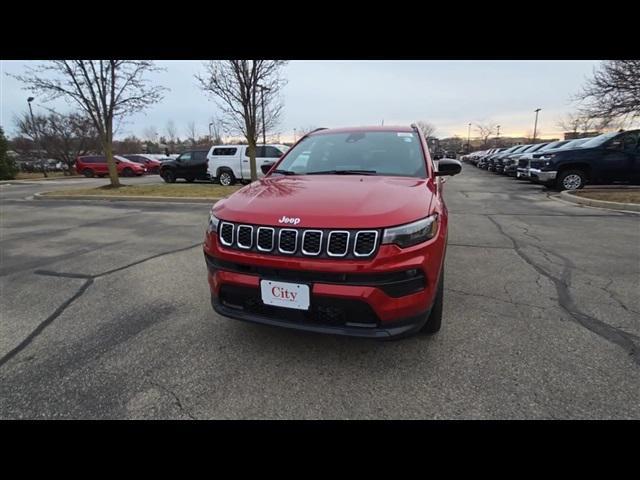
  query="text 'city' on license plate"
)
[{"x": 284, "y": 294}]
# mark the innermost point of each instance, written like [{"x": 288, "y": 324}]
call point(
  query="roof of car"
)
[{"x": 376, "y": 128}]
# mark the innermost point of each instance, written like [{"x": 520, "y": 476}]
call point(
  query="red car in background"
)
[
  {"x": 346, "y": 234},
  {"x": 153, "y": 165},
  {"x": 96, "y": 166}
]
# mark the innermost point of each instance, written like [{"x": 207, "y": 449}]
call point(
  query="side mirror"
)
[
  {"x": 448, "y": 166},
  {"x": 265, "y": 167}
]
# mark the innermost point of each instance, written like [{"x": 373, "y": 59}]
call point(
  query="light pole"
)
[
  {"x": 498, "y": 137},
  {"x": 210, "y": 135},
  {"x": 264, "y": 130},
  {"x": 294, "y": 135},
  {"x": 35, "y": 134},
  {"x": 535, "y": 126},
  {"x": 469, "y": 139}
]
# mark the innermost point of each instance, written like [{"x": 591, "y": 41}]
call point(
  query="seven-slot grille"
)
[{"x": 322, "y": 243}]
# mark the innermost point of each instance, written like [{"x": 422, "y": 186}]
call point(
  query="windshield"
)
[
  {"x": 122, "y": 159},
  {"x": 557, "y": 144},
  {"x": 373, "y": 153},
  {"x": 599, "y": 140},
  {"x": 538, "y": 147},
  {"x": 576, "y": 143}
]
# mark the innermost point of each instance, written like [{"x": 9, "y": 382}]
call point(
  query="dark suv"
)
[
  {"x": 190, "y": 165},
  {"x": 610, "y": 157}
]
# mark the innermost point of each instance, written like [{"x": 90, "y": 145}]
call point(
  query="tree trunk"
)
[
  {"x": 252, "y": 159},
  {"x": 107, "y": 145}
]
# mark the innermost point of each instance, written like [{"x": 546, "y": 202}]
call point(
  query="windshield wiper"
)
[
  {"x": 284, "y": 172},
  {"x": 343, "y": 172}
]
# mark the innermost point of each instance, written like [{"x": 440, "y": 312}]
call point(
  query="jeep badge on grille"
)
[{"x": 291, "y": 220}]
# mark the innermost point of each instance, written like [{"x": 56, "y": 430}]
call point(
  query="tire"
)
[
  {"x": 168, "y": 176},
  {"x": 189, "y": 179},
  {"x": 571, "y": 180},
  {"x": 127, "y": 172},
  {"x": 434, "y": 322},
  {"x": 87, "y": 172},
  {"x": 226, "y": 178}
]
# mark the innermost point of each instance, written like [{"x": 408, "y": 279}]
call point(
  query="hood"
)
[{"x": 329, "y": 201}]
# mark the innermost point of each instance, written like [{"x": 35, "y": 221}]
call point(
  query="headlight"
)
[
  {"x": 213, "y": 223},
  {"x": 412, "y": 233}
]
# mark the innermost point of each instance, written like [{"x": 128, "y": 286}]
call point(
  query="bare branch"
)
[
  {"x": 105, "y": 90},
  {"x": 613, "y": 92},
  {"x": 239, "y": 88}
]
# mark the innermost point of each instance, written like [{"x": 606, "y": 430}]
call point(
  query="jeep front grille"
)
[{"x": 321, "y": 243}]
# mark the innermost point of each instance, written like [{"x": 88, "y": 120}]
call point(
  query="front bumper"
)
[
  {"x": 510, "y": 169},
  {"x": 542, "y": 177},
  {"x": 362, "y": 298},
  {"x": 400, "y": 328}
]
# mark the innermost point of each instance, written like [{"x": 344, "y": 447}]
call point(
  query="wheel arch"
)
[{"x": 583, "y": 166}]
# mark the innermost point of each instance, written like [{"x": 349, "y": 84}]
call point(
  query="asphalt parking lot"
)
[{"x": 106, "y": 314}]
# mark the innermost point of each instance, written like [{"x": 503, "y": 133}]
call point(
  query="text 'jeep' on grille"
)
[{"x": 346, "y": 234}]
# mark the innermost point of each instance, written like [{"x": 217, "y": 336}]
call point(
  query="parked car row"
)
[
  {"x": 49, "y": 165},
  {"x": 567, "y": 164},
  {"x": 226, "y": 164}
]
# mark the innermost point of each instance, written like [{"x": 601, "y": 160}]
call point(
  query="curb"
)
[
  {"x": 41, "y": 196},
  {"x": 37, "y": 180},
  {"x": 569, "y": 195}
]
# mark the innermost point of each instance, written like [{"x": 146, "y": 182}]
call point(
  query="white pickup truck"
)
[{"x": 229, "y": 164}]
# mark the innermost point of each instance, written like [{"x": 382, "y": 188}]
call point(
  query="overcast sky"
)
[{"x": 449, "y": 94}]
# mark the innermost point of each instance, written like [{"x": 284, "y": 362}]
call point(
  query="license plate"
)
[{"x": 283, "y": 294}]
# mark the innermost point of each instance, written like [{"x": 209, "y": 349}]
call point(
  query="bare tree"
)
[
  {"x": 574, "y": 122},
  {"x": 172, "y": 131},
  {"x": 150, "y": 134},
  {"x": 63, "y": 137},
  {"x": 216, "y": 128},
  {"x": 191, "y": 132},
  {"x": 428, "y": 129},
  {"x": 105, "y": 90},
  {"x": 129, "y": 144},
  {"x": 485, "y": 130},
  {"x": 240, "y": 87},
  {"x": 613, "y": 92}
]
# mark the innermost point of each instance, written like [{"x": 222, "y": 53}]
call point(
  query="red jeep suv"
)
[{"x": 345, "y": 234}]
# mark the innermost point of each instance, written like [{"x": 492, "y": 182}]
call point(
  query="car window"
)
[
  {"x": 630, "y": 141},
  {"x": 260, "y": 151},
  {"x": 599, "y": 140},
  {"x": 272, "y": 152},
  {"x": 224, "y": 151},
  {"x": 385, "y": 153},
  {"x": 554, "y": 145},
  {"x": 199, "y": 156},
  {"x": 537, "y": 147},
  {"x": 185, "y": 157}
]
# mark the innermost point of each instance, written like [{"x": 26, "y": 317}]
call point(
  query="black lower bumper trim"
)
[{"x": 401, "y": 328}]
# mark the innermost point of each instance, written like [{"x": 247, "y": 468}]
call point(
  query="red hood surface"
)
[{"x": 329, "y": 201}]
